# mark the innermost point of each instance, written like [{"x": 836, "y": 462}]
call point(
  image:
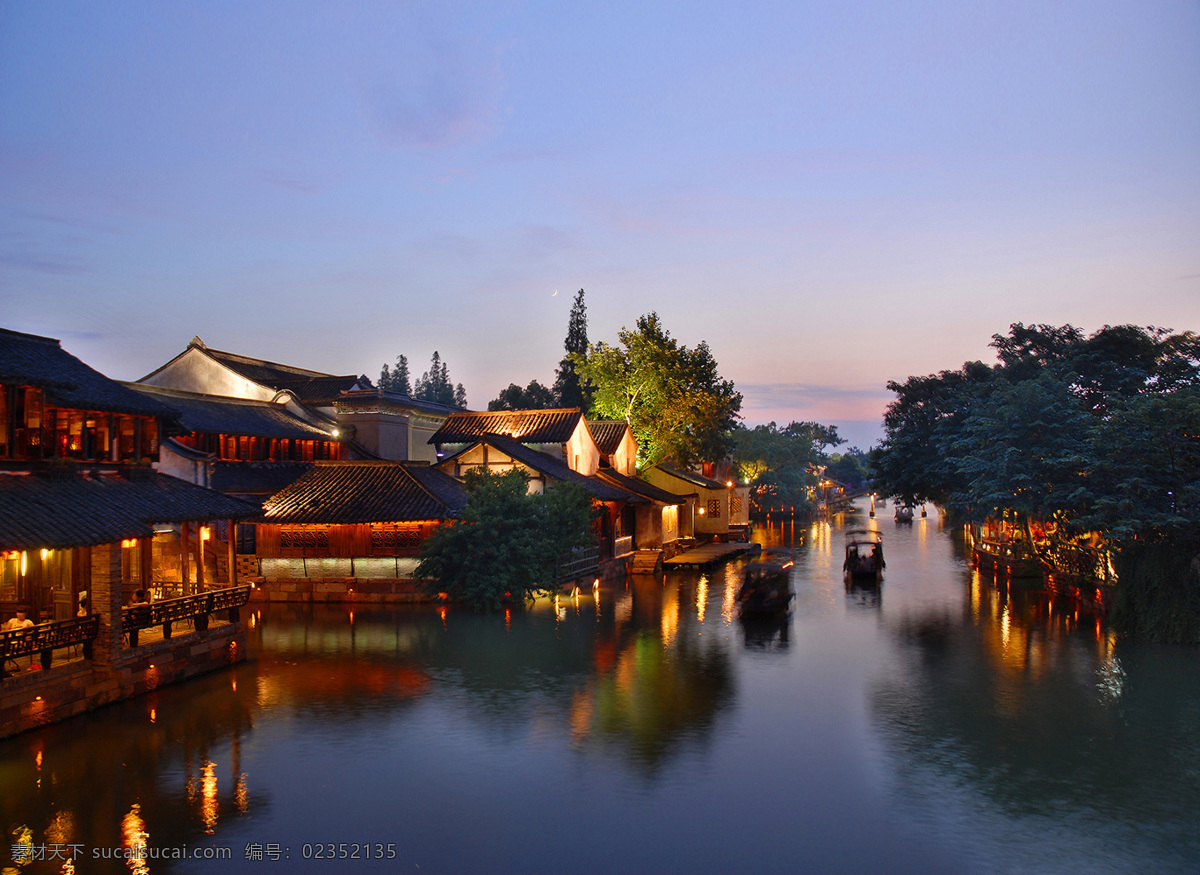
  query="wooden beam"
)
[
  {"x": 232, "y": 553},
  {"x": 185, "y": 557}
]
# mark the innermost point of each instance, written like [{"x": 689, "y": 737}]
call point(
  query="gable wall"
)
[{"x": 194, "y": 371}]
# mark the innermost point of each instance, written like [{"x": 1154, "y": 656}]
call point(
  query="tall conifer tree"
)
[{"x": 568, "y": 388}]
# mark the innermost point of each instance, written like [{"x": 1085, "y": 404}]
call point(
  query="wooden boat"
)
[
  {"x": 766, "y": 589},
  {"x": 864, "y": 554},
  {"x": 904, "y": 513}
]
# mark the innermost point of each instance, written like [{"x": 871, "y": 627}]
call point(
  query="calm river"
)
[{"x": 939, "y": 724}]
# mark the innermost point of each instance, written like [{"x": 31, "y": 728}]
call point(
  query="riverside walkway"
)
[{"x": 705, "y": 555}]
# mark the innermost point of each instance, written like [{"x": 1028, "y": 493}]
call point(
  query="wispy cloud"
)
[
  {"x": 51, "y": 264},
  {"x": 452, "y": 100}
]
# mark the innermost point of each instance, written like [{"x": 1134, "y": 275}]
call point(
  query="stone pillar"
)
[{"x": 105, "y": 598}]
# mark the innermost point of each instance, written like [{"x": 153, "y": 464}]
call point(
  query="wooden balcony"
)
[
  {"x": 196, "y": 608},
  {"x": 45, "y": 638}
]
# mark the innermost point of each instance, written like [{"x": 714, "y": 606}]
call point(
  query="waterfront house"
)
[
  {"x": 352, "y": 531},
  {"x": 616, "y": 444},
  {"x": 85, "y": 524},
  {"x": 561, "y": 433},
  {"x": 499, "y": 453},
  {"x": 722, "y": 509}
]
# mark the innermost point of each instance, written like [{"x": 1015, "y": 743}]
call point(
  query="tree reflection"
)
[{"x": 1038, "y": 707}]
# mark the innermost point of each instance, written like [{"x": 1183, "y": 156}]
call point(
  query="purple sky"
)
[{"x": 832, "y": 195}]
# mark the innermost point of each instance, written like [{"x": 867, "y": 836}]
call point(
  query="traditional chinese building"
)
[
  {"x": 352, "y": 531},
  {"x": 722, "y": 509},
  {"x": 85, "y": 526}
]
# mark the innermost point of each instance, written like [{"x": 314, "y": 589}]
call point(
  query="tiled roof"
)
[
  {"x": 310, "y": 387},
  {"x": 68, "y": 382},
  {"x": 369, "y": 399},
  {"x": 216, "y": 415},
  {"x": 608, "y": 434},
  {"x": 641, "y": 487},
  {"x": 367, "y": 492},
  {"x": 528, "y": 426},
  {"x": 555, "y": 469},
  {"x": 100, "y": 508},
  {"x": 255, "y": 478},
  {"x": 690, "y": 476}
]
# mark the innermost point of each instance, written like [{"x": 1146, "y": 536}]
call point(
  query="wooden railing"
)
[
  {"x": 45, "y": 638},
  {"x": 189, "y": 607},
  {"x": 577, "y": 563}
]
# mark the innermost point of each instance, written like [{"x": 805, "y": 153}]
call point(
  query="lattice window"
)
[
  {"x": 395, "y": 540},
  {"x": 714, "y": 508},
  {"x": 735, "y": 504},
  {"x": 308, "y": 542}
]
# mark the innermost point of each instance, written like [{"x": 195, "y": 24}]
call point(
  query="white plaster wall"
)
[
  {"x": 583, "y": 456},
  {"x": 175, "y": 465},
  {"x": 195, "y": 371}
]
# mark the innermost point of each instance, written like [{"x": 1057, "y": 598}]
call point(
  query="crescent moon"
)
[{"x": 553, "y": 293}]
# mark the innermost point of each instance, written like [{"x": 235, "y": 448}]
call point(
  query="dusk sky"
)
[{"x": 831, "y": 194}]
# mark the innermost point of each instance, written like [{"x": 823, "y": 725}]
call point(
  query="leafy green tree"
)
[
  {"x": 849, "y": 467},
  {"x": 535, "y": 396},
  {"x": 1099, "y": 433},
  {"x": 505, "y": 546},
  {"x": 569, "y": 390},
  {"x": 673, "y": 398},
  {"x": 779, "y": 464}
]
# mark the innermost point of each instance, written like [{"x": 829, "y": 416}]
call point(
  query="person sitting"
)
[
  {"x": 139, "y": 598},
  {"x": 83, "y": 607},
  {"x": 20, "y": 621}
]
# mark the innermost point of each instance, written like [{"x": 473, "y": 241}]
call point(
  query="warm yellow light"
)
[
  {"x": 153, "y": 715},
  {"x": 24, "y": 562},
  {"x": 729, "y": 483},
  {"x": 700, "y": 510},
  {"x": 45, "y": 553},
  {"x": 205, "y": 533}
]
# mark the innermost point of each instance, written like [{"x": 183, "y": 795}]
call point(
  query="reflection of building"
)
[{"x": 85, "y": 523}]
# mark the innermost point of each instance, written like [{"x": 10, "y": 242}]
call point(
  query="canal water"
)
[{"x": 942, "y": 722}]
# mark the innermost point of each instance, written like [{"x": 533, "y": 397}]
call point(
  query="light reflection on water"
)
[{"x": 940, "y": 722}]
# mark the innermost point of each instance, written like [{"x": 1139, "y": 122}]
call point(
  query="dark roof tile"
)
[
  {"x": 608, "y": 434},
  {"x": 100, "y": 508},
  {"x": 690, "y": 476},
  {"x": 555, "y": 469},
  {"x": 528, "y": 426},
  {"x": 217, "y": 415},
  {"x": 41, "y": 361},
  {"x": 641, "y": 487},
  {"x": 367, "y": 492}
]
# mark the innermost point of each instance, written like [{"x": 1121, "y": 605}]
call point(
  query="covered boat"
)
[
  {"x": 864, "y": 554},
  {"x": 904, "y": 513},
  {"x": 766, "y": 588}
]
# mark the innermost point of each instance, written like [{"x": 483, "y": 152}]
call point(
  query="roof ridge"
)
[{"x": 250, "y": 360}]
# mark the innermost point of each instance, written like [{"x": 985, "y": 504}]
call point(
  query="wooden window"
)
[{"x": 714, "y": 508}]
